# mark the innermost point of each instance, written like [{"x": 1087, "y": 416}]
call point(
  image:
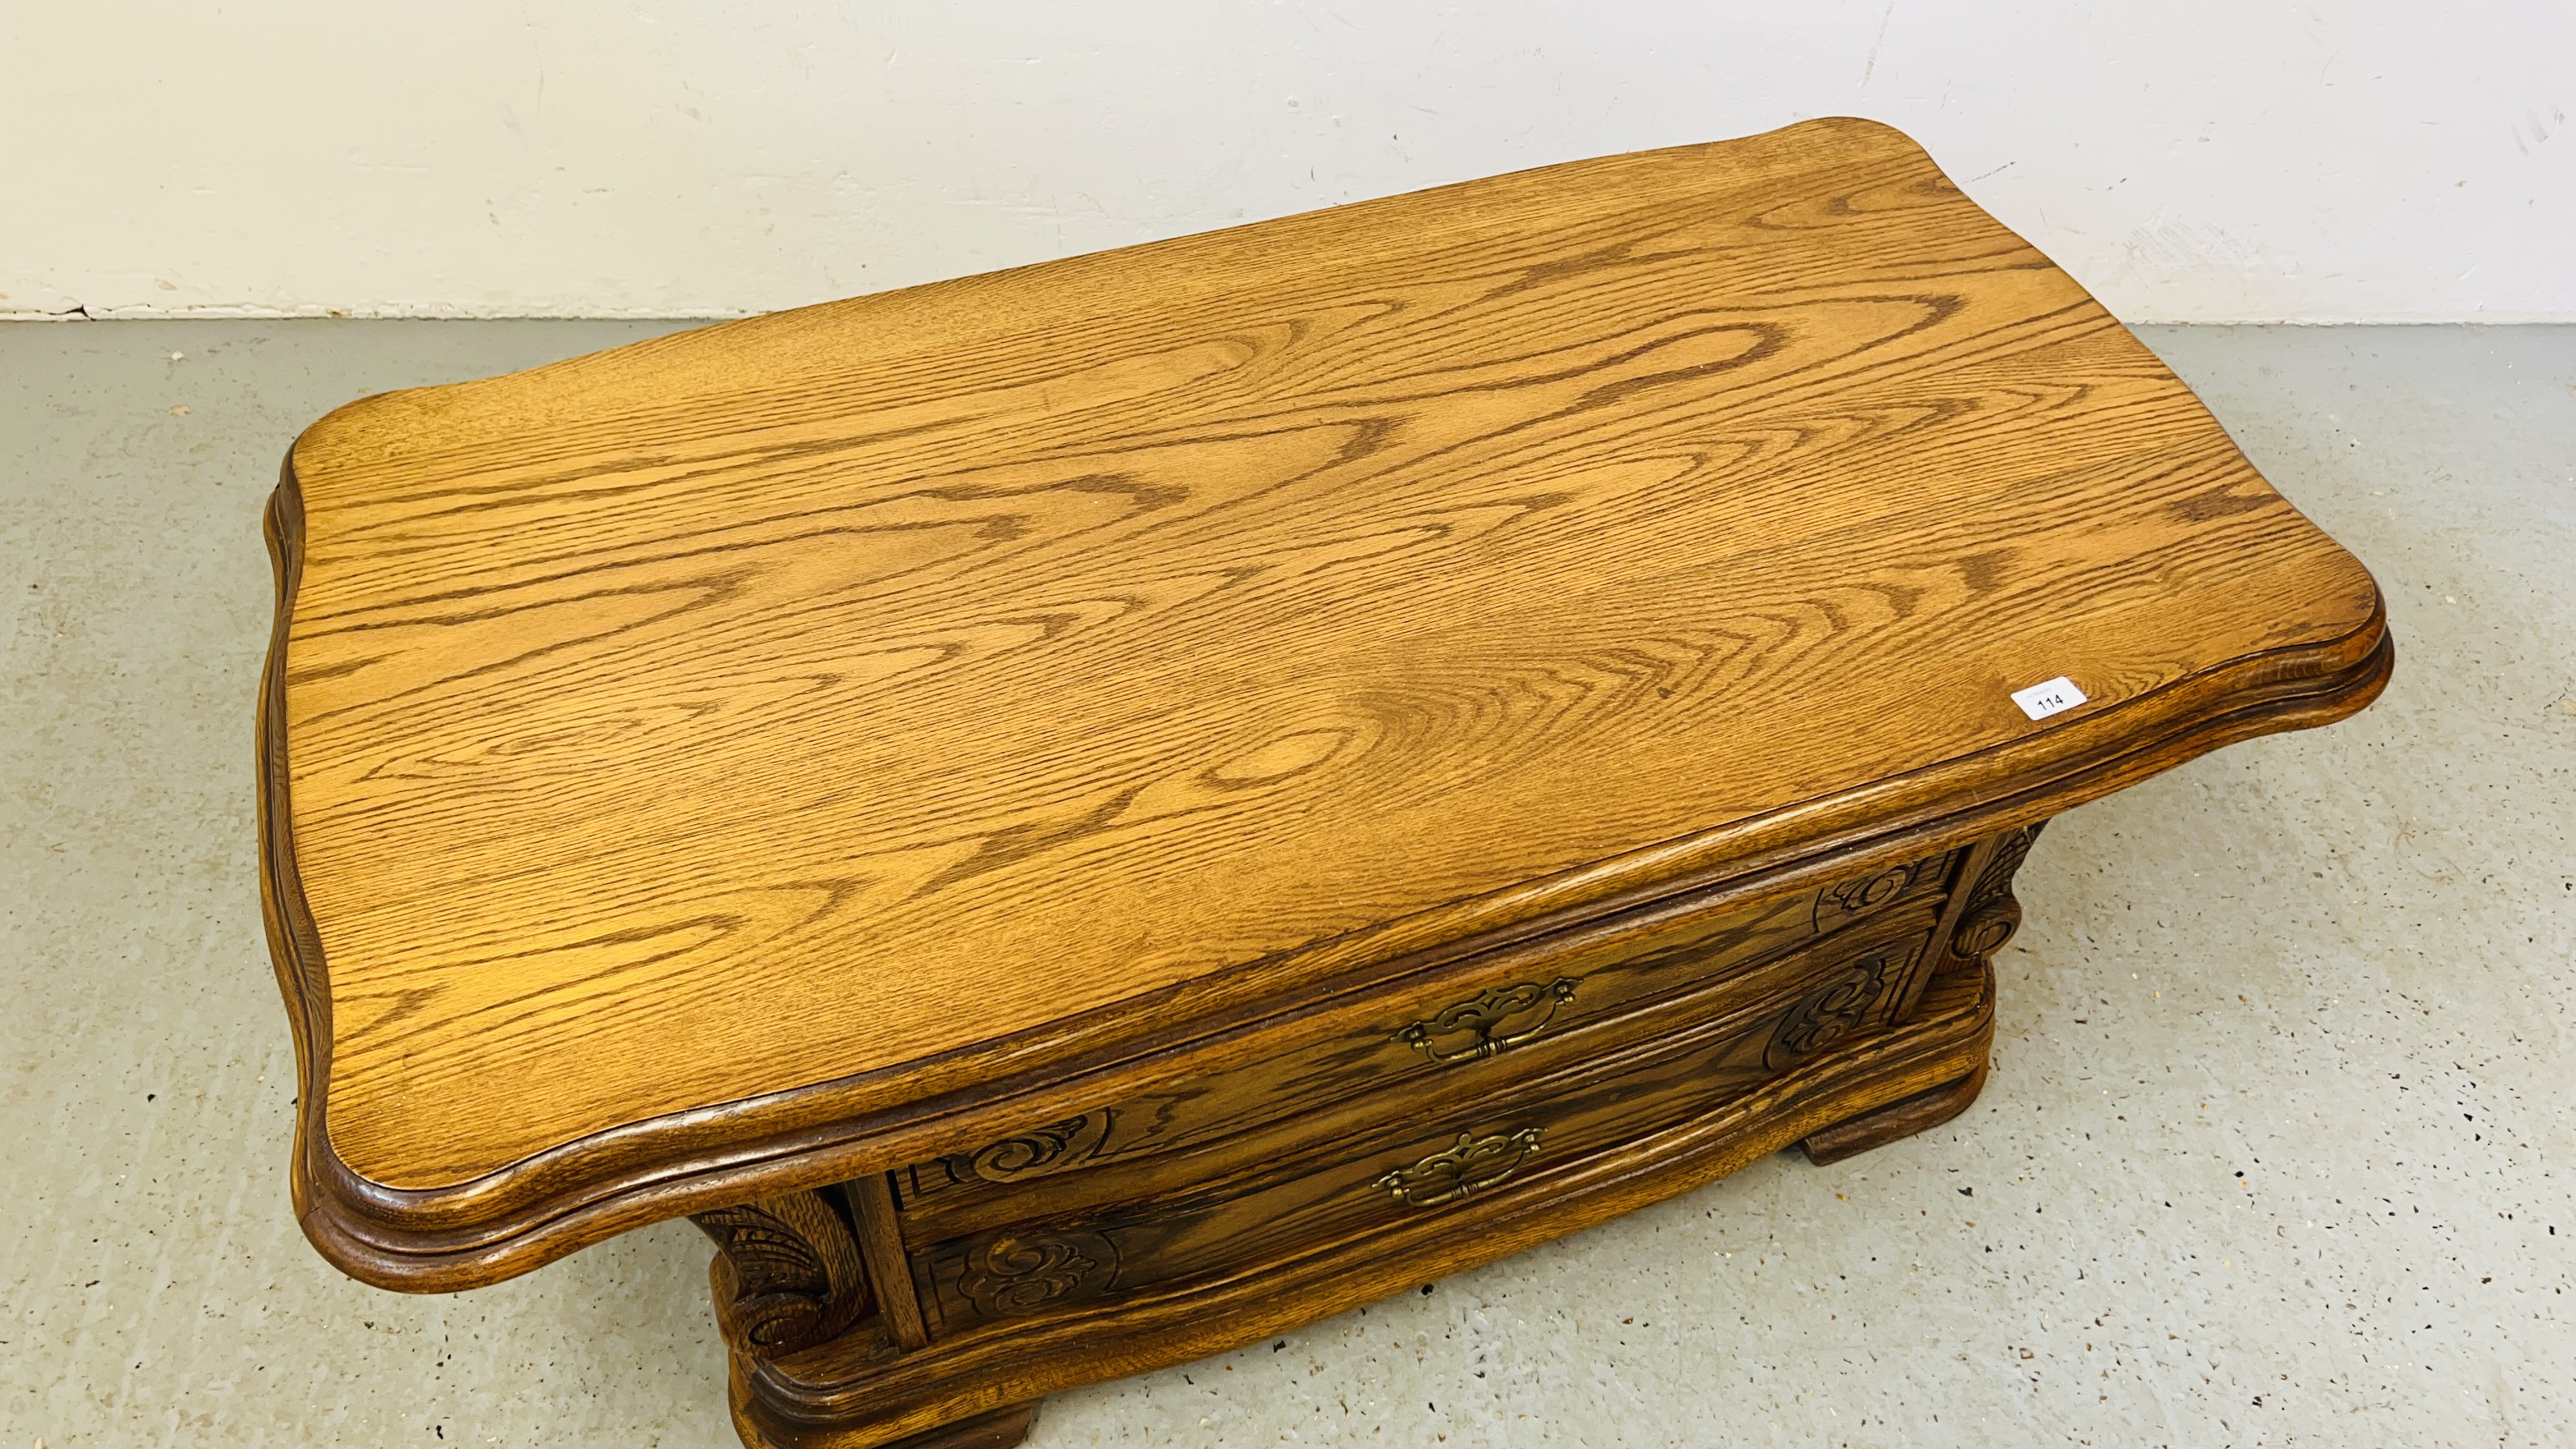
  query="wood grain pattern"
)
[
  {"x": 1280, "y": 1193},
  {"x": 880, "y": 1246},
  {"x": 1744, "y": 1012},
  {"x": 1655, "y": 960},
  {"x": 829, "y": 1400},
  {"x": 804, "y": 746},
  {"x": 787, "y": 1273},
  {"x": 1918, "y": 1113}
]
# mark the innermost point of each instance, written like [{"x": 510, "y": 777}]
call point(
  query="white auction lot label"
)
[{"x": 2054, "y": 697}]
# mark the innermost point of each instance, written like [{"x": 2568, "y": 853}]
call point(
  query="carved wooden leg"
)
[
  {"x": 787, "y": 1273},
  {"x": 804, "y": 1269},
  {"x": 1993, "y": 913}
]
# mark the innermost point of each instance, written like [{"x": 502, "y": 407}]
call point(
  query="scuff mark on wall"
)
[
  {"x": 2535, "y": 130},
  {"x": 1878, "y": 42}
]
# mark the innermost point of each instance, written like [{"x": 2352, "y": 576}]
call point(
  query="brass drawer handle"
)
[
  {"x": 1462, "y": 1171},
  {"x": 1483, "y": 1014}
]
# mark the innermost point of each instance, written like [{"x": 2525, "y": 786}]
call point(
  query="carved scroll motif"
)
[
  {"x": 1056, "y": 1147},
  {"x": 1850, "y": 898},
  {"x": 795, "y": 1275},
  {"x": 1009, "y": 1276},
  {"x": 1993, "y": 914},
  {"x": 1832, "y": 1011},
  {"x": 1051, "y": 1148}
]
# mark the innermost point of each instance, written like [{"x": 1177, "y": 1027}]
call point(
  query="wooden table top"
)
[{"x": 877, "y": 697}]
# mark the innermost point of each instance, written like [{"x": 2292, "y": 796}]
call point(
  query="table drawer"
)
[
  {"x": 1277, "y": 1190},
  {"x": 1478, "y": 1018}
]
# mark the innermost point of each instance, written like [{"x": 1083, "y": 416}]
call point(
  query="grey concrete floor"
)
[{"x": 2277, "y": 1148}]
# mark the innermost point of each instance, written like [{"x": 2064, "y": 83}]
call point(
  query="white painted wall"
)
[{"x": 2339, "y": 160}]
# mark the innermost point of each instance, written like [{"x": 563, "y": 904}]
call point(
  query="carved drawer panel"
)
[
  {"x": 1858, "y": 972},
  {"x": 1484, "y": 1019},
  {"x": 1405, "y": 1149}
]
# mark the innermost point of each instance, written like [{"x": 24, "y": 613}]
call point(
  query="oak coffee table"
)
[{"x": 1077, "y": 818}]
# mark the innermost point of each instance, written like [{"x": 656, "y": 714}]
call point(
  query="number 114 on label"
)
[{"x": 2054, "y": 697}]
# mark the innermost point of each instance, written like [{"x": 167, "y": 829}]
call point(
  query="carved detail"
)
[
  {"x": 1461, "y": 1172},
  {"x": 2011, "y": 849},
  {"x": 795, "y": 1275},
  {"x": 1868, "y": 893},
  {"x": 1993, "y": 915},
  {"x": 1830, "y": 1012},
  {"x": 1056, "y": 1147},
  {"x": 1483, "y": 1014},
  {"x": 1009, "y": 1276},
  {"x": 1983, "y": 931},
  {"x": 1051, "y": 1148}
]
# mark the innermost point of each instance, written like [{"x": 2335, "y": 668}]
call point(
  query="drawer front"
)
[
  {"x": 1482, "y": 1019},
  {"x": 1423, "y": 1153},
  {"x": 1849, "y": 966}
]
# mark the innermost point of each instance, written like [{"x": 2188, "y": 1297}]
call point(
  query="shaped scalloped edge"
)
[{"x": 584, "y": 1191}]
